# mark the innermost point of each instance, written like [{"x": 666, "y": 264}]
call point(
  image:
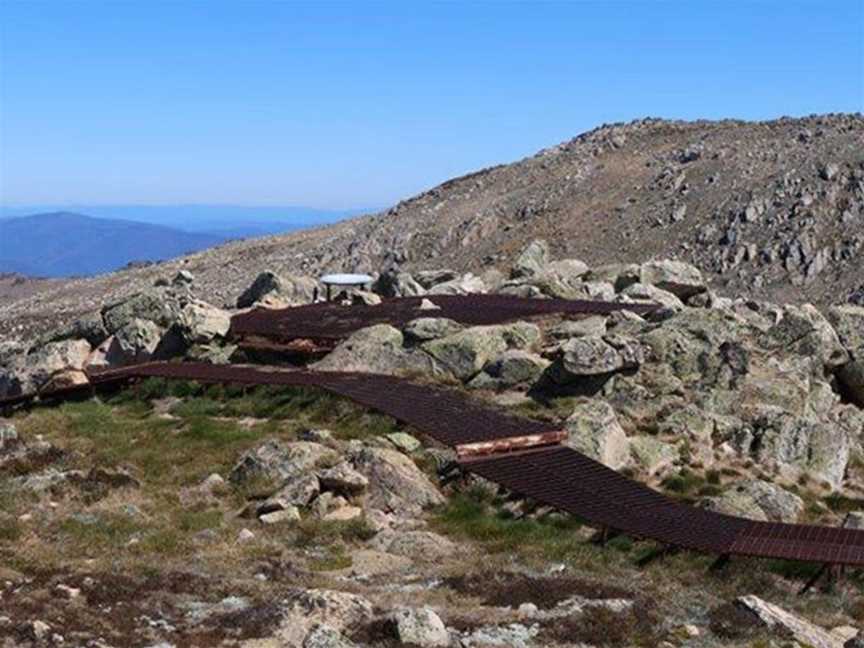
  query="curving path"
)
[
  {"x": 550, "y": 473},
  {"x": 522, "y": 455}
]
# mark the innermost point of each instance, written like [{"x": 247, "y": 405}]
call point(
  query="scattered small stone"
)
[
  {"x": 289, "y": 514},
  {"x": 420, "y": 627},
  {"x": 404, "y": 442},
  {"x": 317, "y": 435},
  {"x": 68, "y": 592},
  {"x": 245, "y": 535},
  {"x": 39, "y": 629}
]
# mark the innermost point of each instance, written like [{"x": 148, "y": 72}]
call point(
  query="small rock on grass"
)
[{"x": 420, "y": 627}]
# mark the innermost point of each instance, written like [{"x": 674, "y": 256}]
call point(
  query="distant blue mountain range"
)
[{"x": 64, "y": 243}]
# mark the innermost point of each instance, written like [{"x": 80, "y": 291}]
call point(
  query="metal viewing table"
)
[{"x": 347, "y": 280}]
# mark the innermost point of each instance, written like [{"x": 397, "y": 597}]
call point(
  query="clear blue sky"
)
[{"x": 363, "y": 103}]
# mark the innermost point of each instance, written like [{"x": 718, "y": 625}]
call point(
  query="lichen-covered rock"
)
[
  {"x": 342, "y": 478},
  {"x": 377, "y": 349},
  {"x": 273, "y": 290},
  {"x": 772, "y": 616},
  {"x": 848, "y": 322},
  {"x": 532, "y": 260},
  {"x": 593, "y": 429},
  {"x": 805, "y": 331},
  {"x": 429, "y": 278},
  {"x": 510, "y": 369},
  {"x": 418, "y": 545},
  {"x": 424, "y": 329},
  {"x": 691, "y": 343},
  {"x": 757, "y": 499},
  {"x": 323, "y": 636},
  {"x": 298, "y": 489},
  {"x": 277, "y": 461},
  {"x": 200, "y": 323},
  {"x": 467, "y": 284},
  {"x": 136, "y": 342},
  {"x": 593, "y": 325},
  {"x": 620, "y": 275},
  {"x": 640, "y": 292},
  {"x": 161, "y": 306},
  {"x": 403, "y": 442},
  {"x": 89, "y": 327},
  {"x": 396, "y": 484},
  {"x": 681, "y": 279},
  {"x": 464, "y": 354},
  {"x": 793, "y": 446},
  {"x": 305, "y": 610},
  {"x": 420, "y": 627},
  {"x": 560, "y": 279},
  {"x": 42, "y": 363},
  {"x": 395, "y": 283},
  {"x": 593, "y": 355},
  {"x": 653, "y": 455}
]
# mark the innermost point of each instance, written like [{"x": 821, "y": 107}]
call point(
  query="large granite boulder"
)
[
  {"x": 560, "y": 279},
  {"x": 278, "y": 461},
  {"x": 420, "y": 627},
  {"x": 793, "y": 446},
  {"x": 277, "y": 291},
  {"x": 647, "y": 293},
  {"x": 136, "y": 342},
  {"x": 467, "y": 284},
  {"x": 681, "y": 279},
  {"x": 848, "y": 322},
  {"x": 396, "y": 484},
  {"x": 805, "y": 331},
  {"x": 653, "y": 456},
  {"x": 303, "y": 614},
  {"x": 201, "y": 323},
  {"x": 593, "y": 429},
  {"x": 532, "y": 260},
  {"x": 757, "y": 499},
  {"x": 595, "y": 355},
  {"x": 801, "y": 630},
  {"x": 511, "y": 369},
  {"x": 377, "y": 349},
  {"x": 691, "y": 343},
  {"x": 464, "y": 354},
  {"x": 395, "y": 283},
  {"x": 619, "y": 275},
  {"x": 160, "y": 305},
  {"x": 44, "y": 363},
  {"x": 89, "y": 327},
  {"x": 429, "y": 278},
  {"x": 424, "y": 329}
]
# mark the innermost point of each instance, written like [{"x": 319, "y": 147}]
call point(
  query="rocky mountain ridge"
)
[{"x": 774, "y": 210}]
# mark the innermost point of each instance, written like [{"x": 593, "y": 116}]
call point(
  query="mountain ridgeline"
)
[
  {"x": 772, "y": 210},
  {"x": 64, "y": 244}
]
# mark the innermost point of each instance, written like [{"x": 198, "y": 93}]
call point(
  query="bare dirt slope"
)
[{"x": 774, "y": 209}]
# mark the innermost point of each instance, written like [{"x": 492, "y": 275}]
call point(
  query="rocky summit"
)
[
  {"x": 769, "y": 210},
  {"x": 180, "y": 514}
]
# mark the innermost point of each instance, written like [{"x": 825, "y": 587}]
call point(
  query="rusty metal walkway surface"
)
[
  {"x": 550, "y": 473},
  {"x": 443, "y": 414},
  {"x": 331, "y": 321}
]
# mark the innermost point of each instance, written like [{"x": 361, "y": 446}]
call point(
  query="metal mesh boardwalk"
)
[
  {"x": 555, "y": 475},
  {"x": 443, "y": 414},
  {"x": 333, "y": 321}
]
